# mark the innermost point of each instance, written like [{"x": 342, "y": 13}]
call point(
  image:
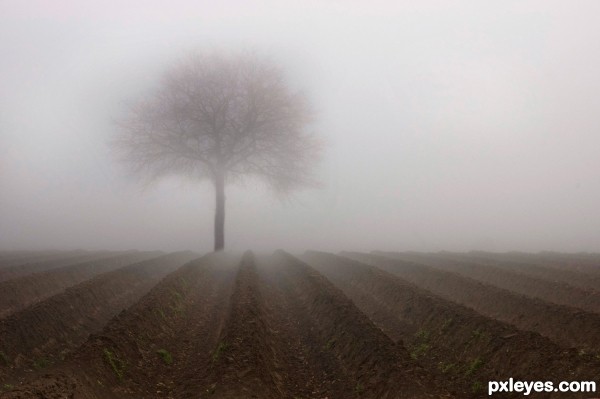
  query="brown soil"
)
[
  {"x": 227, "y": 326},
  {"x": 551, "y": 291},
  {"x": 567, "y": 326},
  {"x": 588, "y": 264},
  {"x": 16, "y": 258},
  {"x": 337, "y": 334},
  {"x": 463, "y": 347},
  {"x": 273, "y": 328},
  {"x": 180, "y": 318},
  {"x": 18, "y": 293},
  {"x": 49, "y": 262},
  {"x": 571, "y": 277},
  {"x": 45, "y": 333}
]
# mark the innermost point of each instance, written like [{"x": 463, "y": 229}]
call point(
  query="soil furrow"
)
[
  {"x": 377, "y": 367},
  {"x": 277, "y": 331},
  {"x": 562, "y": 294},
  {"x": 313, "y": 370},
  {"x": 17, "y": 258},
  {"x": 44, "y": 333},
  {"x": 50, "y": 263},
  {"x": 588, "y": 264},
  {"x": 198, "y": 339},
  {"x": 19, "y": 293},
  {"x": 149, "y": 350},
  {"x": 463, "y": 347},
  {"x": 243, "y": 364},
  {"x": 576, "y": 279},
  {"x": 569, "y": 327}
]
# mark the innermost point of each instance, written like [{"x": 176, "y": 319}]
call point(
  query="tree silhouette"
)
[{"x": 221, "y": 117}]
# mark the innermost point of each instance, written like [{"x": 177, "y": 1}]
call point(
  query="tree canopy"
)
[{"x": 221, "y": 117}]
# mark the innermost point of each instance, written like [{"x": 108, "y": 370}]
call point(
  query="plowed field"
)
[{"x": 319, "y": 325}]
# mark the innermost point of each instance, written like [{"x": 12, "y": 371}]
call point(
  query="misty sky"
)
[{"x": 451, "y": 125}]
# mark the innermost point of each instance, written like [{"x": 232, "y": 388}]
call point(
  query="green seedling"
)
[
  {"x": 422, "y": 335},
  {"x": 41, "y": 363},
  {"x": 165, "y": 356},
  {"x": 329, "y": 344},
  {"x": 474, "y": 366},
  {"x": 359, "y": 388},
  {"x": 117, "y": 365},
  {"x": 161, "y": 313},
  {"x": 419, "y": 350},
  {"x": 222, "y": 347},
  {"x": 7, "y": 387},
  {"x": 477, "y": 387},
  {"x": 446, "y": 367},
  {"x": 446, "y": 324}
]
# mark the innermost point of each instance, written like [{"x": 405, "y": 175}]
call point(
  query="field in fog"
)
[
  {"x": 354, "y": 325},
  {"x": 145, "y": 145}
]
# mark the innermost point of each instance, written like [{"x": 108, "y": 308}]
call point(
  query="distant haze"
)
[{"x": 449, "y": 125}]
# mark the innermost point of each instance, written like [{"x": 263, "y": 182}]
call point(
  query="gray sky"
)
[{"x": 449, "y": 125}]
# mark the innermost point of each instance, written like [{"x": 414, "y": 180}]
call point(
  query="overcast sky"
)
[{"x": 450, "y": 125}]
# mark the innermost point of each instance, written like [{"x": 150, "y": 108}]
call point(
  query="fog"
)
[{"x": 448, "y": 125}]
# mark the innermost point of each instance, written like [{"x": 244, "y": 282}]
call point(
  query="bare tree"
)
[{"x": 221, "y": 117}]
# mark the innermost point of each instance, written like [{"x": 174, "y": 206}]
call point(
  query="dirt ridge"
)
[
  {"x": 567, "y": 326},
  {"x": 581, "y": 280},
  {"x": 516, "y": 281},
  {"x": 380, "y": 367},
  {"x": 466, "y": 348},
  {"x": 46, "y": 263},
  {"x": 44, "y": 333},
  {"x": 18, "y": 293}
]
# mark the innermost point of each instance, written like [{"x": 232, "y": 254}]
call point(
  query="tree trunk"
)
[{"x": 220, "y": 212}]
